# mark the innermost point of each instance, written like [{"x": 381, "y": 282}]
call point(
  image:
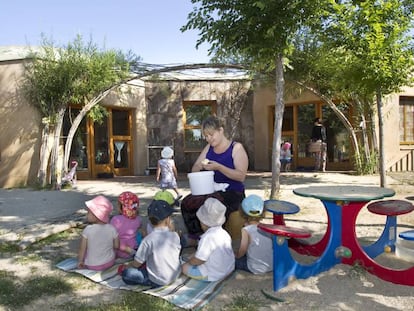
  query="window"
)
[
  {"x": 194, "y": 114},
  {"x": 406, "y": 119}
]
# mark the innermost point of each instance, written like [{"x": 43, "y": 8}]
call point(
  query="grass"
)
[
  {"x": 15, "y": 292},
  {"x": 7, "y": 247}
]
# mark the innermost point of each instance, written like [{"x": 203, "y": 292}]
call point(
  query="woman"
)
[
  {"x": 319, "y": 135},
  {"x": 229, "y": 161}
]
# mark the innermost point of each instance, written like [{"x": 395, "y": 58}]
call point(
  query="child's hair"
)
[
  {"x": 128, "y": 203},
  {"x": 252, "y": 207},
  {"x": 100, "y": 207}
]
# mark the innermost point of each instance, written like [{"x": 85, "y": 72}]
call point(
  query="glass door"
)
[
  {"x": 121, "y": 142},
  {"x": 101, "y": 152}
]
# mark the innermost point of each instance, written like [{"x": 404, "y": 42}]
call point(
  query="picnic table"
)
[{"x": 339, "y": 243}]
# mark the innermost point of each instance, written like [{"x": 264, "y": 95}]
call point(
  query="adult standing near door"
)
[
  {"x": 229, "y": 161},
  {"x": 319, "y": 136}
]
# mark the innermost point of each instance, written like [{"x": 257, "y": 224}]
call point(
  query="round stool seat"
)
[
  {"x": 290, "y": 232},
  {"x": 407, "y": 235},
  {"x": 279, "y": 207},
  {"x": 390, "y": 207}
]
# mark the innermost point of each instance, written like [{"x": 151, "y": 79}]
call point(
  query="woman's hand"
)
[{"x": 211, "y": 166}]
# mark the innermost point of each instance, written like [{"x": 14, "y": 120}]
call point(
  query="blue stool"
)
[
  {"x": 279, "y": 208},
  {"x": 405, "y": 246},
  {"x": 407, "y": 235}
]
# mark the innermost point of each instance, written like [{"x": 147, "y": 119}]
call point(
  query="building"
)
[{"x": 151, "y": 113}]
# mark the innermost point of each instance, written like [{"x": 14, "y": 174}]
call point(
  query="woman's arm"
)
[{"x": 198, "y": 166}]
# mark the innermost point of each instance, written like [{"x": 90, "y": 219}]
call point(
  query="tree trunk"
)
[
  {"x": 56, "y": 171},
  {"x": 277, "y": 133},
  {"x": 383, "y": 181},
  {"x": 44, "y": 153},
  {"x": 75, "y": 125}
]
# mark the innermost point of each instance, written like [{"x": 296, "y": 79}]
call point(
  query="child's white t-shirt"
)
[
  {"x": 216, "y": 250},
  {"x": 161, "y": 252},
  {"x": 100, "y": 244},
  {"x": 260, "y": 250}
]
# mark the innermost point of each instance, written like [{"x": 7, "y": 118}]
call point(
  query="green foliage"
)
[
  {"x": 252, "y": 32},
  {"x": 368, "y": 165},
  {"x": 374, "y": 40},
  {"x": 56, "y": 77}
]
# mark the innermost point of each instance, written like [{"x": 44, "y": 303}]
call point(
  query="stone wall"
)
[{"x": 165, "y": 113}]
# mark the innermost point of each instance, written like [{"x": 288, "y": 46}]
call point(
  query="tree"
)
[
  {"x": 375, "y": 36},
  {"x": 259, "y": 34},
  {"x": 57, "y": 77}
]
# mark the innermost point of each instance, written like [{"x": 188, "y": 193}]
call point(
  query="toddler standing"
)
[
  {"x": 214, "y": 257},
  {"x": 167, "y": 171},
  {"x": 99, "y": 239},
  {"x": 127, "y": 224},
  {"x": 255, "y": 253},
  {"x": 156, "y": 261}
]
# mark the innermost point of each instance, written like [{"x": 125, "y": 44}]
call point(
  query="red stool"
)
[{"x": 284, "y": 265}]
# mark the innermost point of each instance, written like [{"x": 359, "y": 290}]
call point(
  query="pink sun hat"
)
[{"x": 101, "y": 207}]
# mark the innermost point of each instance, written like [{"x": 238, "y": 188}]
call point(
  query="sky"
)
[{"x": 149, "y": 28}]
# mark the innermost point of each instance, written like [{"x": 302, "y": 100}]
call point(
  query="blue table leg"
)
[
  {"x": 285, "y": 266},
  {"x": 387, "y": 238}
]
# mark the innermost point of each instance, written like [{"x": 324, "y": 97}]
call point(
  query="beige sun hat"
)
[{"x": 212, "y": 213}]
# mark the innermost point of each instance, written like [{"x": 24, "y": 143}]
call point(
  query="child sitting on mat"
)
[
  {"x": 214, "y": 257},
  {"x": 99, "y": 239},
  {"x": 156, "y": 261},
  {"x": 127, "y": 224},
  {"x": 255, "y": 253}
]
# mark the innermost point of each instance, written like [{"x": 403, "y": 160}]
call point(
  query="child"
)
[
  {"x": 127, "y": 224},
  {"x": 99, "y": 239},
  {"x": 167, "y": 197},
  {"x": 255, "y": 253},
  {"x": 167, "y": 170},
  {"x": 160, "y": 251},
  {"x": 214, "y": 257},
  {"x": 285, "y": 157}
]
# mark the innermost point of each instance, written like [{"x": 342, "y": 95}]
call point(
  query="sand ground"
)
[{"x": 27, "y": 216}]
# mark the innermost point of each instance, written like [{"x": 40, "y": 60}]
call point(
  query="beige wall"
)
[
  {"x": 132, "y": 96},
  {"x": 264, "y": 99},
  {"x": 394, "y": 152},
  {"x": 19, "y": 130}
]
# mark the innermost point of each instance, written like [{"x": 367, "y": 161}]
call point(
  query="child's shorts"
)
[{"x": 194, "y": 273}]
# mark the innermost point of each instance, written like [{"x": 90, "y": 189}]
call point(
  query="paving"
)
[{"x": 28, "y": 215}]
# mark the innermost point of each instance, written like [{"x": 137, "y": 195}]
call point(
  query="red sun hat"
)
[{"x": 129, "y": 202}]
